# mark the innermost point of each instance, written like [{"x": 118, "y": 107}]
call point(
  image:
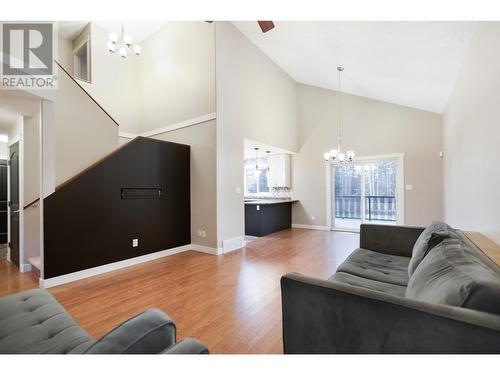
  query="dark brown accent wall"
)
[{"x": 87, "y": 223}]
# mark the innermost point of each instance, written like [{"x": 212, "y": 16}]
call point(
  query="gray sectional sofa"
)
[
  {"x": 33, "y": 322},
  {"x": 405, "y": 290}
]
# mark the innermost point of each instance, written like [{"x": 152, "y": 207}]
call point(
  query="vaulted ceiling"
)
[{"x": 408, "y": 63}]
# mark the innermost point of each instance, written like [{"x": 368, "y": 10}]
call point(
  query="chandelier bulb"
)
[
  {"x": 123, "y": 52},
  {"x": 137, "y": 49}
]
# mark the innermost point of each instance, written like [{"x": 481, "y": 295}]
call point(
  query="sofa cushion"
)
[
  {"x": 379, "y": 286},
  {"x": 34, "y": 322},
  {"x": 392, "y": 269},
  {"x": 450, "y": 275},
  {"x": 430, "y": 237}
]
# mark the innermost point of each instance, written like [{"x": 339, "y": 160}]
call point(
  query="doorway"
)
[
  {"x": 14, "y": 203},
  {"x": 369, "y": 190}
]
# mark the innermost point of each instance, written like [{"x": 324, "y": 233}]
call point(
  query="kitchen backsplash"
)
[{"x": 275, "y": 192}]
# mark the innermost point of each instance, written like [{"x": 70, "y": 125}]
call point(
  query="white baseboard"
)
[
  {"x": 313, "y": 227},
  {"x": 206, "y": 249},
  {"x": 25, "y": 267},
  {"x": 74, "y": 276},
  {"x": 232, "y": 244},
  {"x": 63, "y": 279}
]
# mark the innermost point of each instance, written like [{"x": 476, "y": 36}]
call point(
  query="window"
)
[
  {"x": 256, "y": 178},
  {"x": 81, "y": 61},
  {"x": 366, "y": 191}
]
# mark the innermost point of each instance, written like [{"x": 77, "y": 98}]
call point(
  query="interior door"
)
[{"x": 14, "y": 204}]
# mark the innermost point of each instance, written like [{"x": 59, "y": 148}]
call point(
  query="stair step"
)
[{"x": 35, "y": 262}]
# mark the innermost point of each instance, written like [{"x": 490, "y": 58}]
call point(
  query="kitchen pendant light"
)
[
  {"x": 256, "y": 159},
  {"x": 337, "y": 154}
]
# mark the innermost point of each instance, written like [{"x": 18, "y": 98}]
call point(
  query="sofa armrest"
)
[
  {"x": 150, "y": 332},
  {"x": 389, "y": 239},
  {"x": 187, "y": 346},
  {"x": 330, "y": 317}
]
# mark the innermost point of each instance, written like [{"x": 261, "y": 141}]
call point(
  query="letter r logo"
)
[{"x": 27, "y": 49}]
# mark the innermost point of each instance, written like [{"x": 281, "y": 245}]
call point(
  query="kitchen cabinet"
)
[
  {"x": 266, "y": 218},
  {"x": 279, "y": 171}
]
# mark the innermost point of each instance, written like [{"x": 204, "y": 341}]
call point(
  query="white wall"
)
[
  {"x": 256, "y": 100},
  {"x": 471, "y": 135},
  {"x": 202, "y": 140},
  {"x": 65, "y": 52},
  {"x": 82, "y": 132},
  {"x": 31, "y": 184},
  {"x": 176, "y": 74},
  {"x": 114, "y": 81},
  {"x": 370, "y": 127},
  {"x": 4, "y": 151}
]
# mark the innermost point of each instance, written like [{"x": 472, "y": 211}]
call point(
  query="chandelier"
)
[
  {"x": 337, "y": 154},
  {"x": 123, "y": 44}
]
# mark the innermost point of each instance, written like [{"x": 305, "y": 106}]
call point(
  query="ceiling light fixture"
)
[
  {"x": 337, "y": 154},
  {"x": 256, "y": 160},
  {"x": 123, "y": 44}
]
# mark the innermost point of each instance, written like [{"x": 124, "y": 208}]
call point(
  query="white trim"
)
[
  {"x": 169, "y": 128},
  {"x": 24, "y": 267},
  {"x": 127, "y": 135},
  {"x": 206, "y": 249},
  {"x": 312, "y": 227},
  {"x": 74, "y": 276},
  {"x": 232, "y": 244},
  {"x": 180, "y": 125}
]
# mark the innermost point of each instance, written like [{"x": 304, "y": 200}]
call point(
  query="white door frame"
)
[{"x": 400, "y": 183}]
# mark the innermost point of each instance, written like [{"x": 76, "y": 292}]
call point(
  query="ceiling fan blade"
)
[{"x": 265, "y": 26}]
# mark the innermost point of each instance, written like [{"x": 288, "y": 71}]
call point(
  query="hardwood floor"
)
[
  {"x": 13, "y": 281},
  {"x": 230, "y": 302}
]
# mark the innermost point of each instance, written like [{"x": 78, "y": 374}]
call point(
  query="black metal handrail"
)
[{"x": 377, "y": 207}]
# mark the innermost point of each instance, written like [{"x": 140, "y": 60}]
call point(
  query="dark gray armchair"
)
[{"x": 33, "y": 322}]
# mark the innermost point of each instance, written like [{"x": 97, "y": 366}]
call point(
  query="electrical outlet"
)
[
  {"x": 203, "y": 233},
  {"x": 135, "y": 242},
  {"x": 313, "y": 217},
  {"x": 200, "y": 233}
]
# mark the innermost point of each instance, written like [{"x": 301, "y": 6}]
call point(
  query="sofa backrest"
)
[{"x": 456, "y": 272}]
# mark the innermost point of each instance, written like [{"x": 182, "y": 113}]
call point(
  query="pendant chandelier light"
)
[
  {"x": 337, "y": 154},
  {"x": 256, "y": 149},
  {"x": 123, "y": 44}
]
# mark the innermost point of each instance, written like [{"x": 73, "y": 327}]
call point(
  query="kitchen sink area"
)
[{"x": 268, "y": 199}]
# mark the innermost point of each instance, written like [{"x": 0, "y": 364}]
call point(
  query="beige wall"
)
[
  {"x": 173, "y": 79},
  {"x": 83, "y": 133},
  {"x": 256, "y": 100},
  {"x": 114, "y": 81},
  {"x": 471, "y": 138},
  {"x": 31, "y": 182},
  {"x": 370, "y": 127},
  {"x": 65, "y": 52},
  {"x": 176, "y": 73},
  {"x": 201, "y": 138}
]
